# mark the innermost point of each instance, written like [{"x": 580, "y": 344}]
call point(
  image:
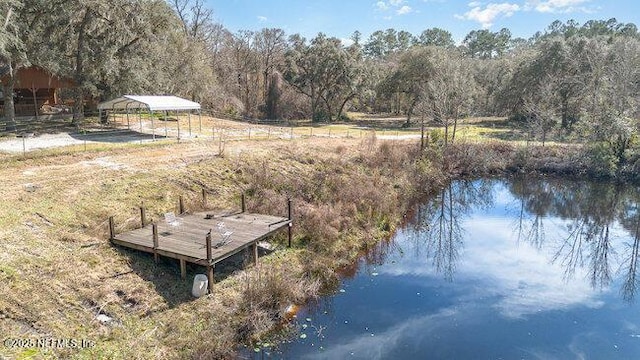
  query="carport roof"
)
[{"x": 149, "y": 102}]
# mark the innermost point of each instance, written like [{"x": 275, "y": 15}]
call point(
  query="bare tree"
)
[
  {"x": 448, "y": 93},
  {"x": 270, "y": 44}
]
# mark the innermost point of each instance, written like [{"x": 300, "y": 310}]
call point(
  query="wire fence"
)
[{"x": 28, "y": 134}]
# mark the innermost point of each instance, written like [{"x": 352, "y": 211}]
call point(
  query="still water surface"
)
[{"x": 491, "y": 269}]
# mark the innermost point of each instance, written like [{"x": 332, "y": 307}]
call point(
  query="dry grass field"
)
[{"x": 61, "y": 278}]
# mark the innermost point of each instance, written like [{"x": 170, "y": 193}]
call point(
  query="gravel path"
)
[{"x": 46, "y": 141}]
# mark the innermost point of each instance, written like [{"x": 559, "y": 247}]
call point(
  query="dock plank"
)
[{"x": 187, "y": 241}]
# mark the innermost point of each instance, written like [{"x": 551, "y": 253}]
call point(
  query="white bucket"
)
[{"x": 200, "y": 285}]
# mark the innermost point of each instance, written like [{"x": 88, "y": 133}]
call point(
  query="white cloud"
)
[
  {"x": 474, "y": 3},
  {"x": 491, "y": 12},
  {"x": 262, "y": 18},
  {"x": 381, "y": 5},
  {"x": 346, "y": 42},
  {"x": 523, "y": 279},
  {"x": 382, "y": 345},
  {"x": 404, "y": 10},
  {"x": 557, "y": 6},
  {"x": 394, "y": 5}
]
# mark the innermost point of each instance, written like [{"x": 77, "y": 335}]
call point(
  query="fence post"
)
[
  {"x": 204, "y": 198},
  {"x": 154, "y": 232},
  {"x": 142, "y": 215},
  {"x": 181, "y": 205},
  {"x": 243, "y": 204},
  {"x": 112, "y": 231},
  {"x": 422, "y": 135},
  {"x": 290, "y": 219}
]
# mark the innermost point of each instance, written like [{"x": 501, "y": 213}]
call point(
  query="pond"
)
[{"x": 490, "y": 269}]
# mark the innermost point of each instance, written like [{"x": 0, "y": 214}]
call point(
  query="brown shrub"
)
[{"x": 268, "y": 290}]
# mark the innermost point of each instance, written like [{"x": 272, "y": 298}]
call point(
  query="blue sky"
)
[{"x": 340, "y": 18}]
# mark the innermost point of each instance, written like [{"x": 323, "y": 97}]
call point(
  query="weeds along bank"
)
[{"x": 59, "y": 274}]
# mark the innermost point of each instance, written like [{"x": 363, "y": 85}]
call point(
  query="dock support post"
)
[
  {"x": 255, "y": 253},
  {"x": 112, "y": 232},
  {"x": 204, "y": 198},
  {"x": 243, "y": 203},
  {"x": 290, "y": 219},
  {"x": 154, "y": 232},
  {"x": 210, "y": 278},
  {"x": 180, "y": 205},
  {"x": 183, "y": 269},
  {"x": 142, "y": 216}
]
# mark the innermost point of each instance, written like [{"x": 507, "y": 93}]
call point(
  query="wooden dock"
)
[{"x": 202, "y": 238}]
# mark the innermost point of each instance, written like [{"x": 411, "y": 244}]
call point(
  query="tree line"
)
[{"x": 568, "y": 77}]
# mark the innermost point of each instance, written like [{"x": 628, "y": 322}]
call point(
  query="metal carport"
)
[{"x": 151, "y": 103}]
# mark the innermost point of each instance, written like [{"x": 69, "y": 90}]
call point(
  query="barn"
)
[{"x": 35, "y": 90}]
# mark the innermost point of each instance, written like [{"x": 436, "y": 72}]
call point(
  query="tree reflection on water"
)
[
  {"x": 437, "y": 224},
  {"x": 600, "y": 222}
]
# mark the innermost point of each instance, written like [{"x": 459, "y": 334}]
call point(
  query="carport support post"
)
[
  {"x": 165, "y": 125},
  {"x": 178, "y": 128},
  {"x": 153, "y": 128},
  {"x": 189, "y": 117},
  {"x": 200, "y": 120},
  {"x": 210, "y": 278}
]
